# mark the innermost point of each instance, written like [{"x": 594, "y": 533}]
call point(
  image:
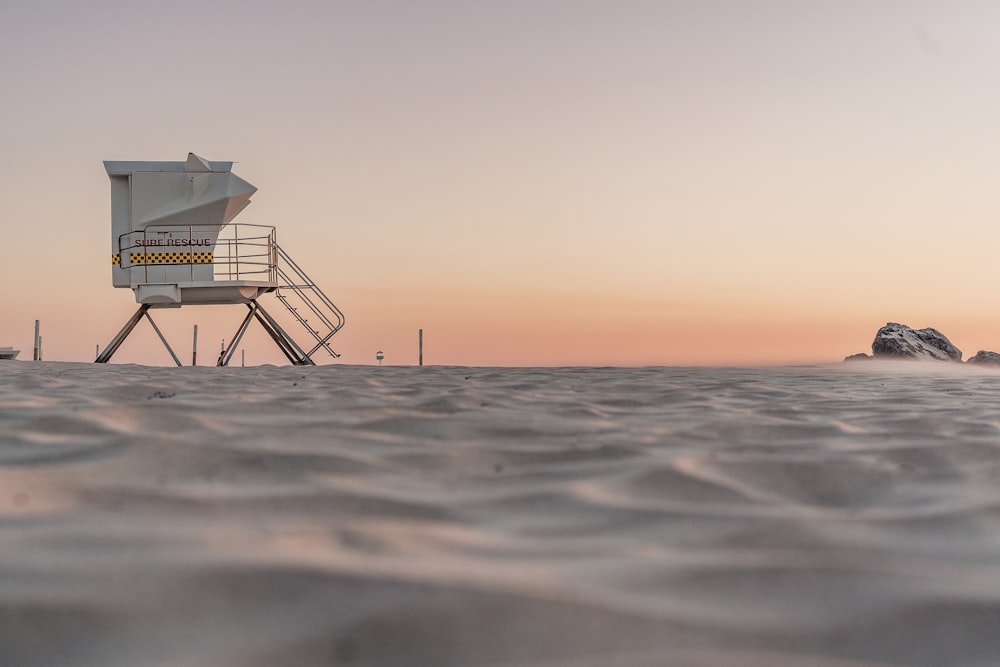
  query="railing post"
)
[
  {"x": 272, "y": 255},
  {"x": 236, "y": 247},
  {"x": 191, "y": 250}
]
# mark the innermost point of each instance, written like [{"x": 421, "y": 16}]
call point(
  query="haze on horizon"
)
[{"x": 532, "y": 183}]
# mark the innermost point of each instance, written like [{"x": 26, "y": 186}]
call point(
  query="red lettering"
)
[{"x": 141, "y": 243}]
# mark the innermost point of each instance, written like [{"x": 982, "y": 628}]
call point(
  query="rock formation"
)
[
  {"x": 898, "y": 341},
  {"x": 985, "y": 358}
]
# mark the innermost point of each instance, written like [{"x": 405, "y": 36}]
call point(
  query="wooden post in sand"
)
[
  {"x": 36, "y": 355},
  {"x": 194, "y": 347},
  {"x": 420, "y": 346}
]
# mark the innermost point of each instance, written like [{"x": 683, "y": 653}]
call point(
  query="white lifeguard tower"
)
[{"x": 173, "y": 244}]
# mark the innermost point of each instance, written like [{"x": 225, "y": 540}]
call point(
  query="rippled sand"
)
[{"x": 840, "y": 516}]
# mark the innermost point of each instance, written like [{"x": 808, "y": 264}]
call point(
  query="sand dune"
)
[{"x": 841, "y": 516}]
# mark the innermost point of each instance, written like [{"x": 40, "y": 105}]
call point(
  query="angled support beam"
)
[
  {"x": 227, "y": 353},
  {"x": 282, "y": 339},
  {"x": 109, "y": 351},
  {"x": 162, "y": 339},
  {"x": 285, "y": 343},
  {"x": 116, "y": 342}
]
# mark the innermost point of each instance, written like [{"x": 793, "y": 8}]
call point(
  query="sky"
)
[{"x": 547, "y": 182}]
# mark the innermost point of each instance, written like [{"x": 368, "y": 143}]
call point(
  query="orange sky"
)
[{"x": 530, "y": 183}]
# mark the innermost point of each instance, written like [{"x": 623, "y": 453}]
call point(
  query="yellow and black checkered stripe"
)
[{"x": 166, "y": 258}]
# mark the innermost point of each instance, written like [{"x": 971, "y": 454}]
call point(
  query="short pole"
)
[
  {"x": 194, "y": 347},
  {"x": 420, "y": 358},
  {"x": 37, "y": 352},
  {"x": 243, "y": 358}
]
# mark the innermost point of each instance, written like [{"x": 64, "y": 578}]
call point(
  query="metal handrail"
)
[
  {"x": 234, "y": 257},
  {"x": 319, "y": 304}
]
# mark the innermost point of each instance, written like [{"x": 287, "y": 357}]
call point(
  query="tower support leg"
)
[
  {"x": 105, "y": 357},
  {"x": 294, "y": 353},
  {"x": 227, "y": 353},
  {"x": 285, "y": 343},
  {"x": 162, "y": 339}
]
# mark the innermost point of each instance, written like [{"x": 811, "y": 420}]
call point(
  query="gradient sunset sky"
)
[{"x": 531, "y": 183}]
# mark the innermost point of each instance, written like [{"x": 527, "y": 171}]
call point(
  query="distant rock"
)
[
  {"x": 985, "y": 358},
  {"x": 898, "y": 341},
  {"x": 860, "y": 356}
]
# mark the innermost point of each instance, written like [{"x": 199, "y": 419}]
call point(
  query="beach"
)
[{"x": 843, "y": 515}]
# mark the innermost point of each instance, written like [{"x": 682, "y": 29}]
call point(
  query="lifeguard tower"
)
[{"x": 174, "y": 244}]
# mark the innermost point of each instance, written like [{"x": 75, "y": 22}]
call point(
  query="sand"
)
[{"x": 837, "y": 516}]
